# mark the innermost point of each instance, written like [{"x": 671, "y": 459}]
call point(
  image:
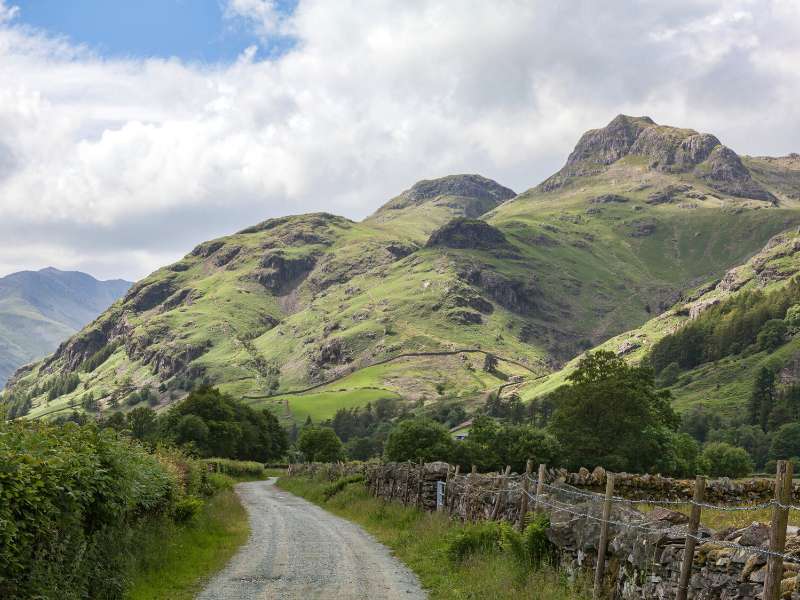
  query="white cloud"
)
[{"x": 122, "y": 165}]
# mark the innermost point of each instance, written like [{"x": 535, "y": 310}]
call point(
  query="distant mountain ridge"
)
[
  {"x": 639, "y": 214},
  {"x": 41, "y": 309}
]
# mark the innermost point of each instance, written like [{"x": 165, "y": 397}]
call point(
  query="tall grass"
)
[
  {"x": 423, "y": 541},
  {"x": 174, "y": 560}
]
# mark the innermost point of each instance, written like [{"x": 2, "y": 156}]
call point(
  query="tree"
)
[
  {"x": 762, "y": 398},
  {"x": 418, "y": 439},
  {"x": 772, "y": 335},
  {"x": 217, "y": 425},
  {"x": 723, "y": 460},
  {"x": 786, "y": 442},
  {"x": 490, "y": 363},
  {"x": 610, "y": 414},
  {"x": 750, "y": 437},
  {"x": 320, "y": 444},
  {"x": 142, "y": 422}
]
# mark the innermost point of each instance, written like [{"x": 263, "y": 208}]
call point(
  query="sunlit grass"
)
[
  {"x": 420, "y": 540},
  {"x": 174, "y": 561}
]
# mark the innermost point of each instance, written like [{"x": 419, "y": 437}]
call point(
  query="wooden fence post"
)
[
  {"x": 523, "y": 503},
  {"x": 408, "y": 483},
  {"x": 470, "y": 508},
  {"x": 450, "y": 491},
  {"x": 539, "y": 487},
  {"x": 419, "y": 482},
  {"x": 602, "y": 546},
  {"x": 777, "y": 531},
  {"x": 691, "y": 542},
  {"x": 498, "y": 501}
]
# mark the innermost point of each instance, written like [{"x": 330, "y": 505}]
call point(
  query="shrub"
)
[
  {"x": 531, "y": 547},
  {"x": 187, "y": 509},
  {"x": 477, "y": 539},
  {"x": 69, "y": 497},
  {"x": 236, "y": 468},
  {"x": 772, "y": 335},
  {"x": 793, "y": 315},
  {"x": 720, "y": 459}
]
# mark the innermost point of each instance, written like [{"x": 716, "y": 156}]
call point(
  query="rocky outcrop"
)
[
  {"x": 698, "y": 308},
  {"x": 667, "y": 149},
  {"x": 612, "y": 142},
  {"x": 280, "y": 272},
  {"x": 641, "y": 228},
  {"x": 518, "y": 296},
  {"x": 331, "y": 352},
  {"x": 149, "y": 294},
  {"x": 487, "y": 193},
  {"x": 724, "y": 171},
  {"x": 667, "y": 194},
  {"x": 468, "y": 234},
  {"x": 608, "y": 199}
]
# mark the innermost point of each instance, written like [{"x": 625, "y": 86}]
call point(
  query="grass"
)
[
  {"x": 173, "y": 561},
  {"x": 588, "y": 276},
  {"x": 420, "y": 540}
]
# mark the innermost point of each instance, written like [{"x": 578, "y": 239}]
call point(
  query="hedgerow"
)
[{"x": 70, "y": 499}]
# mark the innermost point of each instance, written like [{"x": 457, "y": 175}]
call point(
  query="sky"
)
[{"x": 132, "y": 131}]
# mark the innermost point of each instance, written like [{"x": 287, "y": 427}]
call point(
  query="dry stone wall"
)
[{"x": 646, "y": 547}]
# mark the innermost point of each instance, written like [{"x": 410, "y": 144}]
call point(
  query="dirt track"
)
[{"x": 297, "y": 550}]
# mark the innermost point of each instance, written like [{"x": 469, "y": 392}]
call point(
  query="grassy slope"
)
[
  {"x": 723, "y": 385},
  {"x": 173, "y": 561},
  {"x": 420, "y": 539},
  {"x": 598, "y": 270}
]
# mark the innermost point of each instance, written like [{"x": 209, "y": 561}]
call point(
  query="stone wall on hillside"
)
[{"x": 646, "y": 547}]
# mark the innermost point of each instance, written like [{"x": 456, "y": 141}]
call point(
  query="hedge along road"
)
[{"x": 297, "y": 550}]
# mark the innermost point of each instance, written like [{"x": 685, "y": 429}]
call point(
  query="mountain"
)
[
  {"x": 736, "y": 306},
  {"x": 309, "y": 313},
  {"x": 40, "y": 309}
]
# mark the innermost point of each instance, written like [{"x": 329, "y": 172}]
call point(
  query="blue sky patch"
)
[{"x": 192, "y": 30}]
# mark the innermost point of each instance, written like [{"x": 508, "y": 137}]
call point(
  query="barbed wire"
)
[
  {"x": 596, "y": 497},
  {"x": 650, "y": 529}
]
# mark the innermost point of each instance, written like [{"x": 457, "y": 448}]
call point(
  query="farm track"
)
[{"x": 298, "y": 551}]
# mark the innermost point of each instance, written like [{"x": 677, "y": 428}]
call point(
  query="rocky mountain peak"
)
[
  {"x": 487, "y": 192},
  {"x": 667, "y": 149},
  {"x": 610, "y": 143}
]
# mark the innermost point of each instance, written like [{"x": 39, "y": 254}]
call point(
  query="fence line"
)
[{"x": 506, "y": 496}]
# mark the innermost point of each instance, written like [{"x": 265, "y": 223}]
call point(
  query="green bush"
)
[
  {"x": 330, "y": 490},
  {"x": 186, "y": 509},
  {"x": 477, "y": 539},
  {"x": 531, "y": 547},
  {"x": 69, "y": 498},
  {"x": 720, "y": 459}
]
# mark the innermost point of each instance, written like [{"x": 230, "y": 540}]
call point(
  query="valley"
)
[{"x": 640, "y": 220}]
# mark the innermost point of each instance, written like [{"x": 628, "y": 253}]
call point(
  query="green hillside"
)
[
  {"x": 723, "y": 384},
  {"x": 449, "y": 270}
]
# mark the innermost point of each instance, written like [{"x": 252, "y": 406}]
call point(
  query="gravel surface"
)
[{"x": 297, "y": 550}]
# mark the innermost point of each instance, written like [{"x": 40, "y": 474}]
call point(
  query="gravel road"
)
[{"x": 297, "y": 550}]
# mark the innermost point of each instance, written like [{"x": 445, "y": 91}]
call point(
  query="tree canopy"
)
[
  {"x": 611, "y": 414},
  {"x": 217, "y": 425}
]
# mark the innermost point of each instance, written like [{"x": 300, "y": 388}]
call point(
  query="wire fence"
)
[{"x": 561, "y": 497}]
